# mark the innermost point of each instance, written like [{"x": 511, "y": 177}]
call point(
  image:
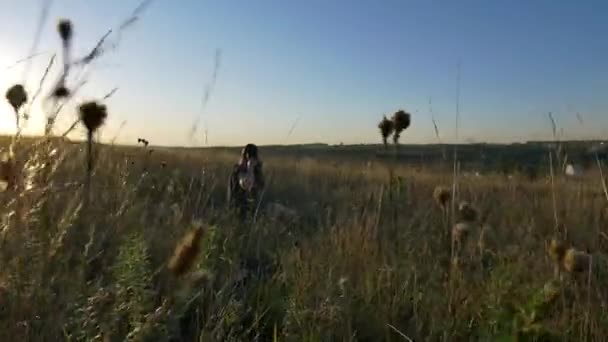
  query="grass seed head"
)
[
  {"x": 16, "y": 96},
  {"x": 442, "y": 196},
  {"x": 576, "y": 261},
  {"x": 467, "y": 212},
  {"x": 65, "y": 29},
  {"x": 92, "y": 115},
  {"x": 186, "y": 251}
]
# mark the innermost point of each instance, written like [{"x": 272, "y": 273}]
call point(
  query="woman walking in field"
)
[{"x": 246, "y": 182}]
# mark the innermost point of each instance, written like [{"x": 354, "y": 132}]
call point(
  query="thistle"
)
[
  {"x": 557, "y": 251},
  {"x": 66, "y": 31},
  {"x": 61, "y": 91},
  {"x": 401, "y": 121},
  {"x": 460, "y": 233},
  {"x": 16, "y": 97},
  {"x": 576, "y": 261},
  {"x": 442, "y": 196},
  {"x": 467, "y": 212},
  {"x": 7, "y": 171},
  {"x": 92, "y": 115},
  {"x": 386, "y": 127},
  {"x": 64, "y": 27},
  {"x": 186, "y": 251}
]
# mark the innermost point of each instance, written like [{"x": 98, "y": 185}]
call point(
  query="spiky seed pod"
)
[
  {"x": 16, "y": 96},
  {"x": 442, "y": 196},
  {"x": 61, "y": 92},
  {"x": 487, "y": 239},
  {"x": 199, "y": 278},
  {"x": 460, "y": 232},
  {"x": 92, "y": 115},
  {"x": 557, "y": 250},
  {"x": 386, "y": 127},
  {"x": 551, "y": 292},
  {"x": 401, "y": 121},
  {"x": 7, "y": 171},
  {"x": 186, "y": 252},
  {"x": 576, "y": 261},
  {"x": 466, "y": 212},
  {"x": 65, "y": 29}
]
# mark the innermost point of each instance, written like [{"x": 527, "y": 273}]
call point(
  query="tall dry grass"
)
[
  {"x": 96, "y": 244},
  {"x": 358, "y": 264}
]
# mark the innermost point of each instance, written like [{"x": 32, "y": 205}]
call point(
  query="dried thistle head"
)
[
  {"x": 551, "y": 291},
  {"x": 65, "y": 29},
  {"x": 467, "y": 212},
  {"x": 7, "y": 171},
  {"x": 401, "y": 120},
  {"x": 576, "y": 261},
  {"x": 92, "y": 115},
  {"x": 557, "y": 250},
  {"x": 487, "y": 239},
  {"x": 461, "y": 231},
  {"x": 199, "y": 278},
  {"x": 442, "y": 196},
  {"x": 16, "y": 96},
  {"x": 186, "y": 251},
  {"x": 61, "y": 91},
  {"x": 386, "y": 127}
]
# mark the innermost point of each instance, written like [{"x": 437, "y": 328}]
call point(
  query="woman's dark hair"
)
[{"x": 250, "y": 151}]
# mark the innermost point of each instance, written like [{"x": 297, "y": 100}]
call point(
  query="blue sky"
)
[{"x": 333, "y": 66}]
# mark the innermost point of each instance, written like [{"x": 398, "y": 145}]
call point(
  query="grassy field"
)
[{"x": 369, "y": 256}]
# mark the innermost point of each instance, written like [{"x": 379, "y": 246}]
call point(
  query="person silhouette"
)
[{"x": 246, "y": 182}]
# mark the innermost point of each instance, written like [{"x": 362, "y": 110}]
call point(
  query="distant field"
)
[{"x": 369, "y": 256}]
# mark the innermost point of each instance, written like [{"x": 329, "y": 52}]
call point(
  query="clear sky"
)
[{"x": 332, "y": 67}]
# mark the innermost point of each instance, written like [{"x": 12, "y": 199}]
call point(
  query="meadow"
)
[
  {"x": 154, "y": 254},
  {"x": 101, "y": 242}
]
